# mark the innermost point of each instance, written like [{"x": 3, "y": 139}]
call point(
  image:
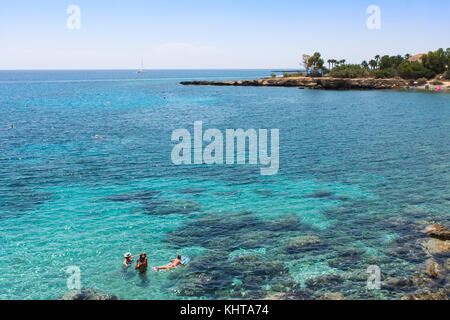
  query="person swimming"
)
[
  {"x": 172, "y": 265},
  {"x": 142, "y": 263},
  {"x": 128, "y": 261}
]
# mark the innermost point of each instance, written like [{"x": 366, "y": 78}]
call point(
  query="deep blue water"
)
[{"x": 86, "y": 175}]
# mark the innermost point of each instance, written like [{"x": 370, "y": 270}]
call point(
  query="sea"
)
[{"x": 86, "y": 175}]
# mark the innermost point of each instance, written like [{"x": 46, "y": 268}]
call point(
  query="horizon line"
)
[{"x": 162, "y": 69}]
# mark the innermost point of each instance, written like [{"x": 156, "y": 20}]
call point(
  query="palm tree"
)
[
  {"x": 373, "y": 64},
  {"x": 377, "y": 59},
  {"x": 364, "y": 64},
  {"x": 329, "y": 63},
  {"x": 342, "y": 61}
]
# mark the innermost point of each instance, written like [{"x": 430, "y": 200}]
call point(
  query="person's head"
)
[
  {"x": 179, "y": 256},
  {"x": 143, "y": 256},
  {"x": 127, "y": 255}
]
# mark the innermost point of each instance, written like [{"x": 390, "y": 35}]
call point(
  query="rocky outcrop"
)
[
  {"x": 438, "y": 232},
  {"x": 311, "y": 83},
  {"x": 426, "y": 295},
  {"x": 87, "y": 294}
]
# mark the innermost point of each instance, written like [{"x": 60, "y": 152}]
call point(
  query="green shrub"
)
[
  {"x": 447, "y": 75},
  {"x": 414, "y": 70},
  {"x": 292, "y": 74},
  {"x": 349, "y": 71},
  {"x": 385, "y": 73},
  {"x": 273, "y": 75}
]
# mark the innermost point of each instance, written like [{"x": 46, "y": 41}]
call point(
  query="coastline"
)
[{"x": 324, "y": 83}]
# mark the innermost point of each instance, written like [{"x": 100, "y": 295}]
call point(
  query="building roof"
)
[{"x": 417, "y": 57}]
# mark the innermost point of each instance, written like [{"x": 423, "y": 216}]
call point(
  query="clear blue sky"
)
[{"x": 212, "y": 34}]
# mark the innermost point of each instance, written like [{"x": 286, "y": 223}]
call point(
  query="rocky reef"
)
[
  {"x": 87, "y": 294},
  {"x": 326, "y": 83}
]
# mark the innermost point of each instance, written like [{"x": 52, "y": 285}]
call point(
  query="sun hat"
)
[{"x": 127, "y": 255}]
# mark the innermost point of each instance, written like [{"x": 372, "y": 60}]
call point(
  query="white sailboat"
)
[{"x": 141, "y": 70}]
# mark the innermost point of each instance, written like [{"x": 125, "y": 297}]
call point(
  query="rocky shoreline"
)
[{"x": 324, "y": 83}]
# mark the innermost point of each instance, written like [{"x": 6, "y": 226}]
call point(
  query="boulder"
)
[
  {"x": 438, "y": 231},
  {"x": 434, "y": 269},
  {"x": 396, "y": 283},
  {"x": 436, "y": 246}
]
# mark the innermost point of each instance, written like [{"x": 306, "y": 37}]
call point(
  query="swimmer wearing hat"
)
[{"x": 127, "y": 262}]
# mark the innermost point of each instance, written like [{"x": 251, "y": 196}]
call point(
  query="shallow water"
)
[{"x": 82, "y": 181}]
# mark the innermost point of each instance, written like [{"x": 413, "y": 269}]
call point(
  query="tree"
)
[
  {"x": 365, "y": 65},
  {"x": 334, "y": 62},
  {"x": 373, "y": 64},
  {"x": 305, "y": 59},
  {"x": 414, "y": 70},
  {"x": 349, "y": 71},
  {"x": 315, "y": 62},
  {"x": 377, "y": 59},
  {"x": 436, "y": 61}
]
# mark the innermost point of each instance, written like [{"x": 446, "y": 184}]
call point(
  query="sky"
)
[{"x": 210, "y": 34}]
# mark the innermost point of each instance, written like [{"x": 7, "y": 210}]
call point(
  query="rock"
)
[
  {"x": 434, "y": 269},
  {"x": 294, "y": 295},
  {"x": 321, "y": 194},
  {"x": 327, "y": 83},
  {"x": 302, "y": 243},
  {"x": 396, "y": 283},
  {"x": 426, "y": 295},
  {"x": 323, "y": 281},
  {"x": 422, "y": 280},
  {"x": 332, "y": 296},
  {"x": 436, "y": 246},
  {"x": 437, "y": 231},
  {"x": 276, "y": 296},
  {"x": 87, "y": 294}
]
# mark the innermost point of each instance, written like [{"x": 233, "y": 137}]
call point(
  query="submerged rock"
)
[
  {"x": 436, "y": 246},
  {"x": 140, "y": 196},
  {"x": 302, "y": 243},
  {"x": 426, "y": 295},
  {"x": 321, "y": 194},
  {"x": 396, "y": 283},
  {"x": 332, "y": 296},
  {"x": 324, "y": 281},
  {"x": 285, "y": 222},
  {"x": 437, "y": 231},
  {"x": 294, "y": 295},
  {"x": 195, "y": 191},
  {"x": 434, "y": 269},
  {"x": 87, "y": 294}
]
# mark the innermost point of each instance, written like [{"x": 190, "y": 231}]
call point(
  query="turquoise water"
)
[{"x": 86, "y": 176}]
